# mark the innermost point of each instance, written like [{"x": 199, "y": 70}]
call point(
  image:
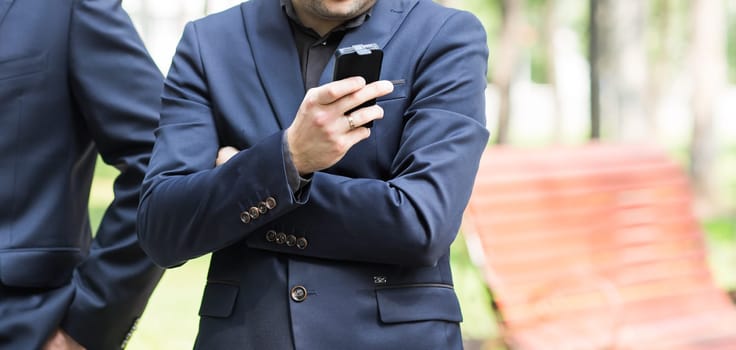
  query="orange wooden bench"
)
[{"x": 594, "y": 247}]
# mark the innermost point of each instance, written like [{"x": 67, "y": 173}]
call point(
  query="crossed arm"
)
[{"x": 190, "y": 208}]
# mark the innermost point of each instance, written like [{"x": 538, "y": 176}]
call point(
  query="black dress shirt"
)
[
  {"x": 315, "y": 50},
  {"x": 314, "y": 53}
]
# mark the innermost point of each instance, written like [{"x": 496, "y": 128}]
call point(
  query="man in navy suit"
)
[
  {"x": 75, "y": 81},
  {"x": 325, "y": 234}
]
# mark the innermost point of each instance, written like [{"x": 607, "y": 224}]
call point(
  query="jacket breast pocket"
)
[
  {"x": 400, "y": 91},
  {"x": 14, "y": 67},
  {"x": 218, "y": 299},
  {"x": 418, "y": 303}
]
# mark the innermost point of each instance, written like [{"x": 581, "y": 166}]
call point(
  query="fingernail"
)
[{"x": 388, "y": 85}]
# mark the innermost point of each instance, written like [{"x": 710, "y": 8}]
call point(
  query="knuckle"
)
[
  {"x": 332, "y": 92},
  {"x": 310, "y": 99},
  {"x": 320, "y": 118}
]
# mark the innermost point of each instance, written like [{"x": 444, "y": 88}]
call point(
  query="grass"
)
[
  {"x": 721, "y": 242},
  {"x": 170, "y": 320}
]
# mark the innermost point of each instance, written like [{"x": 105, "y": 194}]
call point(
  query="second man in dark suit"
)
[{"x": 75, "y": 82}]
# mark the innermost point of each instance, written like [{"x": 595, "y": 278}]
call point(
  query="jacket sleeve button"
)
[
  {"x": 301, "y": 243},
  {"x": 245, "y": 217},
  {"x": 280, "y": 238},
  {"x": 270, "y": 202},
  {"x": 254, "y": 213},
  {"x": 271, "y": 235},
  {"x": 262, "y": 208},
  {"x": 290, "y": 240}
]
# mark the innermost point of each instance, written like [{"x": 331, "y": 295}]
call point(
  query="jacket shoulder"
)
[
  {"x": 438, "y": 12},
  {"x": 221, "y": 21}
]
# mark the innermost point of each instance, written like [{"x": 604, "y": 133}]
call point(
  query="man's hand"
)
[
  {"x": 59, "y": 340},
  {"x": 321, "y": 134},
  {"x": 224, "y": 154}
]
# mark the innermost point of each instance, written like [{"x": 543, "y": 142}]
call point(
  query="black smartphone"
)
[{"x": 359, "y": 60}]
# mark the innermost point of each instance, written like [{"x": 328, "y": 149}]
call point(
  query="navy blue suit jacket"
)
[
  {"x": 369, "y": 238},
  {"x": 75, "y": 80}
]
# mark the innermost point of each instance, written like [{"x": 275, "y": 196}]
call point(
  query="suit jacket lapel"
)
[
  {"x": 276, "y": 58},
  {"x": 4, "y": 7},
  {"x": 386, "y": 17}
]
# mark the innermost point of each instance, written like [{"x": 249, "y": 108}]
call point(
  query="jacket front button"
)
[
  {"x": 245, "y": 217},
  {"x": 271, "y": 235},
  {"x": 298, "y": 293},
  {"x": 301, "y": 243},
  {"x": 270, "y": 202},
  {"x": 280, "y": 238}
]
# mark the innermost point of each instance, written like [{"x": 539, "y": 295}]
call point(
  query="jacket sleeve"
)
[
  {"x": 117, "y": 88},
  {"x": 413, "y": 217},
  {"x": 189, "y": 208}
]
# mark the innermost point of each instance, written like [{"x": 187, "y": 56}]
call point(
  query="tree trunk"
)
[
  {"x": 662, "y": 62},
  {"x": 507, "y": 58},
  {"x": 620, "y": 61},
  {"x": 593, "y": 57},
  {"x": 550, "y": 52},
  {"x": 708, "y": 64}
]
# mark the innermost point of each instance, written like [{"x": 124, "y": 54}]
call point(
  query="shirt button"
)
[
  {"x": 280, "y": 238},
  {"x": 301, "y": 243},
  {"x": 270, "y": 203},
  {"x": 254, "y": 213},
  {"x": 271, "y": 235},
  {"x": 290, "y": 240},
  {"x": 298, "y": 293},
  {"x": 245, "y": 217}
]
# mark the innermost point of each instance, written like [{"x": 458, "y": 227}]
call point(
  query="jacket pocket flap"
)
[
  {"x": 400, "y": 91},
  {"x": 407, "y": 304},
  {"x": 218, "y": 299},
  {"x": 38, "y": 268},
  {"x": 14, "y": 67}
]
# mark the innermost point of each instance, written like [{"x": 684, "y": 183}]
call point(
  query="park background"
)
[{"x": 560, "y": 72}]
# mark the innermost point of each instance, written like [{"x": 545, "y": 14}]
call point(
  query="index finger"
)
[{"x": 331, "y": 92}]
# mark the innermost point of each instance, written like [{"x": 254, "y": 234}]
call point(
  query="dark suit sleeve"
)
[
  {"x": 188, "y": 207},
  {"x": 412, "y": 218},
  {"x": 117, "y": 87}
]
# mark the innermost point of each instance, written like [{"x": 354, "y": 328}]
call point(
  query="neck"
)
[{"x": 319, "y": 25}]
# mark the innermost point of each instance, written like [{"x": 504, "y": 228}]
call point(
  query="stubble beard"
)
[{"x": 320, "y": 8}]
